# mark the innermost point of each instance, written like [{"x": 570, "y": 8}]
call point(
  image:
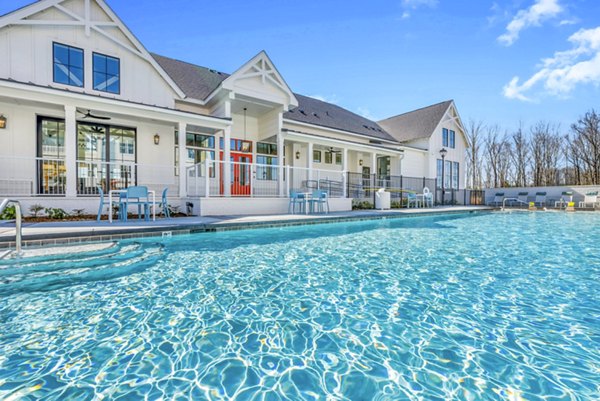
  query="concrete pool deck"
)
[{"x": 52, "y": 233}]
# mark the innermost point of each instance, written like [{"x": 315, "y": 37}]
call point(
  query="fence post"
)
[
  {"x": 424, "y": 182},
  {"x": 465, "y": 197},
  {"x": 319, "y": 179},
  {"x": 347, "y": 189},
  {"x": 206, "y": 178},
  {"x": 344, "y": 185}
]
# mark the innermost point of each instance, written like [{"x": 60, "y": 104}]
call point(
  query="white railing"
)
[
  {"x": 208, "y": 179},
  {"x": 37, "y": 176},
  {"x": 27, "y": 176},
  {"x": 117, "y": 175}
]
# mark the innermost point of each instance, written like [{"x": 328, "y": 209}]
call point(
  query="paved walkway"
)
[{"x": 81, "y": 231}]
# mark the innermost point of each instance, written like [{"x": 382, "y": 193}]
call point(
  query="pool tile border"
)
[{"x": 55, "y": 239}]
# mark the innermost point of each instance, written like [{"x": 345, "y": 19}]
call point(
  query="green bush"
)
[
  {"x": 56, "y": 213},
  {"x": 35, "y": 209},
  {"x": 365, "y": 205},
  {"x": 10, "y": 213}
]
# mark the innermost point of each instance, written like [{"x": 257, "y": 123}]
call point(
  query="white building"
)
[{"x": 85, "y": 105}]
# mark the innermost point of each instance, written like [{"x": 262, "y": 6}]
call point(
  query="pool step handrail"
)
[
  {"x": 18, "y": 225},
  {"x": 513, "y": 200}
]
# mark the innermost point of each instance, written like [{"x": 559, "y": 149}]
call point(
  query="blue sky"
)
[{"x": 502, "y": 61}]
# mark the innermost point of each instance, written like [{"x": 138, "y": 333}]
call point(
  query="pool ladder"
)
[
  {"x": 512, "y": 200},
  {"x": 18, "y": 226}
]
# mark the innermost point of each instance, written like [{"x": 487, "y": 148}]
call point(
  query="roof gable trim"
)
[{"x": 19, "y": 17}]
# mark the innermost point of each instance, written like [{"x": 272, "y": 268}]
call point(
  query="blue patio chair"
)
[
  {"x": 319, "y": 202},
  {"x": 101, "y": 205},
  {"x": 412, "y": 199},
  {"x": 297, "y": 199},
  {"x": 164, "y": 204},
  {"x": 135, "y": 196}
]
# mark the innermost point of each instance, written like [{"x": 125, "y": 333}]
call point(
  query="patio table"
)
[{"x": 123, "y": 191}]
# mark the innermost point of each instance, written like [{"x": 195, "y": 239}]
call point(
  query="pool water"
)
[{"x": 498, "y": 306}]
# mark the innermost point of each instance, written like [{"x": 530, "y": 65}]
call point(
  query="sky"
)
[{"x": 505, "y": 62}]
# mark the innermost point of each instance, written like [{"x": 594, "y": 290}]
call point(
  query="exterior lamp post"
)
[{"x": 443, "y": 154}]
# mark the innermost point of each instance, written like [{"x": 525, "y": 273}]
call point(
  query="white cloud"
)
[
  {"x": 414, "y": 4},
  {"x": 540, "y": 11},
  {"x": 560, "y": 74}
]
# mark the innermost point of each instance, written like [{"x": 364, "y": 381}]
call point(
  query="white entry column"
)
[
  {"x": 345, "y": 171},
  {"x": 181, "y": 138},
  {"x": 227, "y": 161},
  {"x": 374, "y": 164},
  {"x": 310, "y": 161},
  {"x": 280, "y": 151},
  {"x": 71, "y": 150}
]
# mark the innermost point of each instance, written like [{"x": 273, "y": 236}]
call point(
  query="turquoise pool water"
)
[{"x": 470, "y": 307}]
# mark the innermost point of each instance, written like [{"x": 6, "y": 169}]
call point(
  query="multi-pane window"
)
[
  {"x": 445, "y": 136},
  {"x": 51, "y": 150},
  {"x": 447, "y": 174},
  {"x": 199, "y": 148},
  {"x": 237, "y": 145},
  {"x": 328, "y": 157},
  {"x": 266, "y": 158},
  {"x": 107, "y": 73},
  {"x": 317, "y": 156},
  {"x": 439, "y": 173},
  {"x": 452, "y": 139},
  {"x": 455, "y": 172},
  {"x": 68, "y": 65},
  {"x": 338, "y": 159}
]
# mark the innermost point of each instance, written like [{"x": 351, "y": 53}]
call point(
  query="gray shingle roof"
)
[
  {"x": 317, "y": 112},
  {"x": 416, "y": 124},
  {"x": 195, "y": 81}
]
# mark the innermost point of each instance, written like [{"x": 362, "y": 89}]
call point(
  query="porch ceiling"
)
[{"x": 339, "y": 144}]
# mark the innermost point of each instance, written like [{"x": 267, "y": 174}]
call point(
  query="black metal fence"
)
[{"x": 362, "y": 188}]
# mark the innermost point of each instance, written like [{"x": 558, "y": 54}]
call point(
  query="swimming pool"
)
[{"x": 485, "y": 306}]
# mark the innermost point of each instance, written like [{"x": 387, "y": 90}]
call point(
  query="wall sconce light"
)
[
  {"x": 360, "y": 162},
  {"x": 156, "y": 139},
  {"x": 2, "y": 121},
  {"x": 298, "y": 155}
]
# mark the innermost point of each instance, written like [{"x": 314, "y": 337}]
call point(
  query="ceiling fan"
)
[
  {"x": 331, "y": 150},
  {"x": 90, "y": 115}
]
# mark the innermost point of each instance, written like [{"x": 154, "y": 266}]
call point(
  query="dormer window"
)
[
  {"x": 107, "y": 74},
  {"x": 68, "y": 65}
]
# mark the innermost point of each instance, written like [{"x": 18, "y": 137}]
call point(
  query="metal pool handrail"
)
[
  {"x": 514, "y": 200},
  {"x": 18, "y": 223}
]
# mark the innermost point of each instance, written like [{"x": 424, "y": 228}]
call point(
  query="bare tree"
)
[
  {"x": 585, "y": 148},
  {"x": 497, "y": 158},
  {"x": 474, "y": 166},
  {"x": 520, "y": 157},
  {"x": 546, "y": 154}
]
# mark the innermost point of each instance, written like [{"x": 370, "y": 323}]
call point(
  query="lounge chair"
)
[
  {"x": 522, "y": 197},
  {"x": 498, "y": 199},
  {"x": 591, "y": 198},
  {"x": 540, "y": 199},
  {"x": 565, "y": 198}
]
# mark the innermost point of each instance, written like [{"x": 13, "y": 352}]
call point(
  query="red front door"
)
[{"x": 241, "y": 174}]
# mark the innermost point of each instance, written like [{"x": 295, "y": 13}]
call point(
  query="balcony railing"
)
[{"x": 208, "y": 179}]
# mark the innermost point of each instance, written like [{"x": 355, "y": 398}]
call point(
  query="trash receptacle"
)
[{"x": 382, "y": 199}]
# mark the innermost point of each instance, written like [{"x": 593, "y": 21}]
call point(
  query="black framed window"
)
[
  {"x": 444, "y": 136},
  {"x": 316, "y": 156},
  {"x": 452, "y": 139},
  {"x": 107, "y": 73},
  {"x": 51, "y": 169},
  {"x": 67, "y": 65}
]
